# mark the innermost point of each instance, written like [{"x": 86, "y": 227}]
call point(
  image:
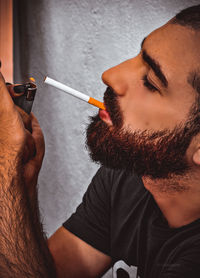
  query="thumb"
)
[
  {"x": 11, "y": 126},
  {"x": 6, "y": 102}
]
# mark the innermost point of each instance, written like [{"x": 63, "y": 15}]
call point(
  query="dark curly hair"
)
[{"x": 189, "y": 17}]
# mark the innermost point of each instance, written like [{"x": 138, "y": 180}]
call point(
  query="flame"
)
[{"x": 32, "y": 79}]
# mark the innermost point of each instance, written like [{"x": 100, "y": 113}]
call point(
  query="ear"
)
[{"x": 196, "y": 157}]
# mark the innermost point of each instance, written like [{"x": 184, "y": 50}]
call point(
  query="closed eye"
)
[{"x": 147, "y": 84}]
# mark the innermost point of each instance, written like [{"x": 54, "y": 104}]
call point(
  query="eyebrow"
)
[{"x": 154, "y": 65}]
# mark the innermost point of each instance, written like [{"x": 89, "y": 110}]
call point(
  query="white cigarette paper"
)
[{"x": 73, "y": 92}]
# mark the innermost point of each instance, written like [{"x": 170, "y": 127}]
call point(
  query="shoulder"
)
[
  {"x": 117, "y": 184},
  {"x": 115, "y": 177}
]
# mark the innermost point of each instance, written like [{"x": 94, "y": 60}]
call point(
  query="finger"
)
[
  {"x": 6, "y": 100},
  {"x": 32, "y": 168},
  {"x": 7, "y": 106},
  {"x": 2, "y": 77},
  {"x": 12, "y": 130},
  {"x": 24, "y": 115},
  {"x": 12, "y": 92},
  {"x": 30, "y": 148},
  {"x": 38, "y": 137},
  {"x": 30, "y": 143},
  {"x": 25, "y": 118}
]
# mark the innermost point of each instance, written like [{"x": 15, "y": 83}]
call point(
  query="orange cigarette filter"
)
[{"x": 96, "y": 103}]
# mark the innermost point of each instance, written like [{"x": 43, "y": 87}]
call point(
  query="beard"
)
[{"x": 156, "y": 154}]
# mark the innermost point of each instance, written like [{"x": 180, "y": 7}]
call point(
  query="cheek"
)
[{"x": 143, "y": 109}]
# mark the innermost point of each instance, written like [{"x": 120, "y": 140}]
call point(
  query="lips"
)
[
  {"x": 112, "y": 115},
  {"x": 104, "y": 115}
]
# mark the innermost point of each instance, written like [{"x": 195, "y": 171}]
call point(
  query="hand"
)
[{"x": 34, "y": 146}]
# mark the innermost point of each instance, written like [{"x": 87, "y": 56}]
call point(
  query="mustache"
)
[{"x": 112, "y": 107}]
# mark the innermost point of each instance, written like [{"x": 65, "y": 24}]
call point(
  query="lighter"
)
[
  {"x": 26, "y": 95},
  {"x": 25, "y": 100}
]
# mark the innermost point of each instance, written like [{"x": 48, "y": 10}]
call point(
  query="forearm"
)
[{"x": 23, "y": 248}]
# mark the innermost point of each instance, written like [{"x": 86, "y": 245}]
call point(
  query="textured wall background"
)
[{"x": 74, "y": 41}]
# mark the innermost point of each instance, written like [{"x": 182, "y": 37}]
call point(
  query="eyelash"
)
[{"x": 148, "y": 84}]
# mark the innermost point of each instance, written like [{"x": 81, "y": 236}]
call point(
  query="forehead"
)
[{"x": 176, "y": 48}]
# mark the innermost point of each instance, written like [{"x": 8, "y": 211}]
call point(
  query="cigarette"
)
[{"x": 73, "y": 92}]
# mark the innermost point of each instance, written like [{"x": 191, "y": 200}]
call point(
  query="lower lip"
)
[{"x": 104, "y": 115}]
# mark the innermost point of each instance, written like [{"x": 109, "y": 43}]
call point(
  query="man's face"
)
[{"x": 149, "y": 125}]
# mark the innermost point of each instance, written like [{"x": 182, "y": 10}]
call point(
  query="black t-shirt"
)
[{"x": 119, "y": 217}]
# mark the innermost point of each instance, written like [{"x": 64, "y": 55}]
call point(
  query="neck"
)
[{"x": 177, "y": 197}]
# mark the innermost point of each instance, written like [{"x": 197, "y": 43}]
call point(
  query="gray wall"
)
[{"x": 74, "y": 42}]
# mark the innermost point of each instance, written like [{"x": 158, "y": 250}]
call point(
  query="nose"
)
[
  {"x": 113, "y": 77},
  {"x": 118, "y": 77}
]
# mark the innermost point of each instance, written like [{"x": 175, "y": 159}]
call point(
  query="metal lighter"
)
[{"x": 25, "y": 101}]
